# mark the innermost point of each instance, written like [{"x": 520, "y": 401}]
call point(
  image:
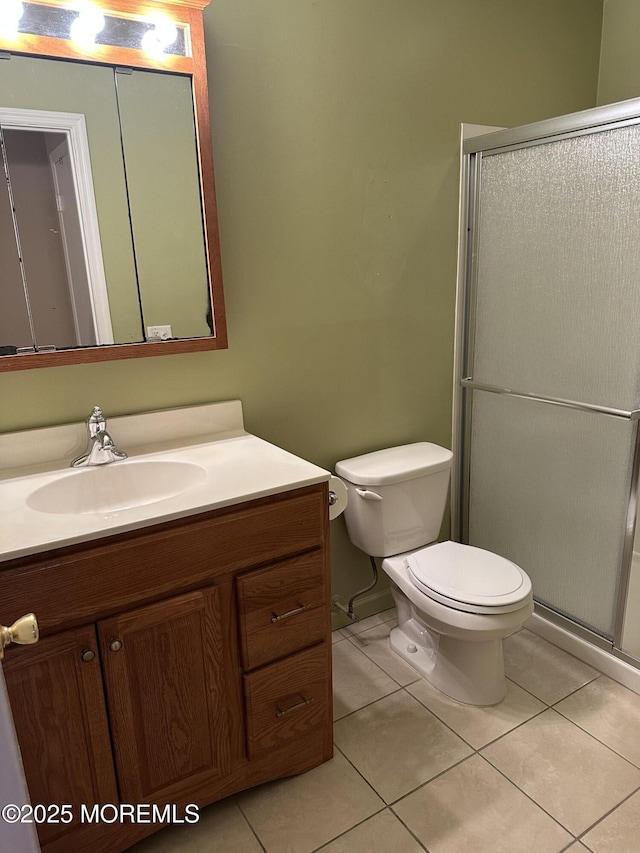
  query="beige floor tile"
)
[
  {"x": 619, "y": 832},
  {"x": 543, "y": 669},
  {"x": 382, "y": 833},
  {"x": 222, "y": 827},
  {"x": 364, "y": 624},
  {"x": 479, "y": 725},
  {"x": 299, "y": 814},
  {"x": 474, "y": 808},
  {"x": 576, "y": 847},
  {"x": 609, "y": 712},
  {"x": 337, "y": 635},
  {"x": 357, "y": 680},
  {"x": 397, "y": 744},
  {"x": 566, "y": 771},
  {"x": 374, "y": 643}
]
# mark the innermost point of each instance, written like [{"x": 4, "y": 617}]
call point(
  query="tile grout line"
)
[
  {"x": 587, "y": 732},
  {"x": 593, "y": 737},
  {"x": 530, "y": 798},
  {"x": 608, "y": 814},
  {"x": 418, "y": 677},
  {"x": 489, "y": 742},
  {"x": 409, "y": 830},
  {"x": 367, "y": 705},
  {"x": 477, "y": 751},
  {"x": 368, "y": 783},
  {"x": 360, "y": 823},
  {"x": 375, "y": 662},
  {"x": 257, "y": 837}
]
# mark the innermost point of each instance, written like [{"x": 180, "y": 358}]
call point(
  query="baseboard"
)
[
  {"x": 368, "y": 605},
  {"x": 600, "y": 659}
]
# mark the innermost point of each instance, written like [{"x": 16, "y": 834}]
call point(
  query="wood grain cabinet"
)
[{"x": 177, "y": 665}]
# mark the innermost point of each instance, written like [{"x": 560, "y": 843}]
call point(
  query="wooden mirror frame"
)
[{"x": 187, "y": 12}]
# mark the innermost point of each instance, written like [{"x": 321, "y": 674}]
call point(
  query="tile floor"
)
[{"x": 554, "y": 767}]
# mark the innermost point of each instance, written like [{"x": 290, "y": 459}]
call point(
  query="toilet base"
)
[{"x": 471, "y": 672}]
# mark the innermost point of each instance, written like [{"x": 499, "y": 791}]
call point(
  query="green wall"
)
[
  {"x": 619, "y": 67},
  {"x": 336, "y": 135}
]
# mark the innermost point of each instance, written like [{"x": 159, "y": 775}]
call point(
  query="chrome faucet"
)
[{"x": 101, "y": 450}]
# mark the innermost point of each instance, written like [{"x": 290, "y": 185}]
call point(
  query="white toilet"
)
[{"x": 456, "y": 603}]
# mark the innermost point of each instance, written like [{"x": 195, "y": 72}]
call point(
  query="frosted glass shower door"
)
[{"x": 553, "y": 364}]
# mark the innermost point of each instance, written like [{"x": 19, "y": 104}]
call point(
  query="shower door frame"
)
[{"x": 474, "y": 149}]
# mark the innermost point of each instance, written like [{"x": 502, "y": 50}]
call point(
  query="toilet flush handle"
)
[{"x": 368, "y": 495}]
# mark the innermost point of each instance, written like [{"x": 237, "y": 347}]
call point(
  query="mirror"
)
[{"x": 108, "y": 230}]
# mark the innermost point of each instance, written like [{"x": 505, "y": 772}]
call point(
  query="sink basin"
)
[{"x": 117, "y": 486}]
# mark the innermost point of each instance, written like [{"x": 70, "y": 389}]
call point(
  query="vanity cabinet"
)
[{"x": 177, "y": 664}]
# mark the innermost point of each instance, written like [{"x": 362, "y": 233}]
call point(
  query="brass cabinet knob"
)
[
  {"x": 115, "y": 645},
  {"x": 24, "y": 631},
  {"x": 87, "y": 655}
]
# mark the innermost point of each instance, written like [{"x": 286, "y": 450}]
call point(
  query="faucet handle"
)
[{"x": 96, "y": 423}]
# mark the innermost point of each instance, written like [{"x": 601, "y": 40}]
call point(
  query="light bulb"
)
[
  {"x": 165, "y": 30},
  {"x": 164, "y": 33},
  {"x": 87, "y": 25},
  {"x": 151, "y": 45},
  {"x": 11, "y": 11}
]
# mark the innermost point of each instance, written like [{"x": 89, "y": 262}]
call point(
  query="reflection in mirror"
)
[
  {"x": 14, "y": 316},
  {"x": 145, "y": 237},
  {"x": 163, "y": 186},
  {"x": 55, "y": 252}
]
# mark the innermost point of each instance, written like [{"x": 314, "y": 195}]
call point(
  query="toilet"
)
[{"x": 456, "y": 603}]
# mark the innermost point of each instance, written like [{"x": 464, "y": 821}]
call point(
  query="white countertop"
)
[{"x": 239, "y": 467}]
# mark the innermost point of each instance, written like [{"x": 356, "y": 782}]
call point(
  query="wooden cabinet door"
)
[
  {"x": 57, "y": 701},
  {"x": 166, "y": 694}
]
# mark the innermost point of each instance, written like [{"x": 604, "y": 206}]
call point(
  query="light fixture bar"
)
[{"x": 55, "y": 20}]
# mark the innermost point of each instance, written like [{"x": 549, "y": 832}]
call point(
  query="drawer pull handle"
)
[
  {"x": 300, "y": 609},
  {"x": 281, "y": 712}
]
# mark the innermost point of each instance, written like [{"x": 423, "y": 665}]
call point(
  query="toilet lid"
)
[{"x": 468, "y": 578}]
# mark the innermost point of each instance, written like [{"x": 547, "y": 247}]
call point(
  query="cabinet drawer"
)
[
  {"x": 286, "y": 700},
  {"x": 282, "y": 608}
]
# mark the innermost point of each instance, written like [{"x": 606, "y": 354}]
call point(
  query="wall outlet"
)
[{"x": 159, "y": 333}]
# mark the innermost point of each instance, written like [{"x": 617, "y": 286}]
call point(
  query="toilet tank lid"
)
[{"x": 395, "y": 464}]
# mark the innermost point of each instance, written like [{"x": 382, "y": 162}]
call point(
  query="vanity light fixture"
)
[
  {"x": 11, "y": 11},
  {"x": 94, "y": 26},
  {"x": 87, "y": 25}
]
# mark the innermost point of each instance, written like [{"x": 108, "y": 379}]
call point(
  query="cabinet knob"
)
[
  {"x": 87, "y": 655},
  {"x": 115, "y": 645},
  {"x": 24, "y": 631}
]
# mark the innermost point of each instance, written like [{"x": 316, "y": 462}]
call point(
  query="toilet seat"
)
[{"x": 467, "y": 578}]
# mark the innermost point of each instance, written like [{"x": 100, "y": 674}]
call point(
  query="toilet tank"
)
[{"x": 397, "y": 497}]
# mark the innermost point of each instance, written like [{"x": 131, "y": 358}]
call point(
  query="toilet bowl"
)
[
  {"x": 452, "y": 633},
  {"x": 456, "y": 603}
]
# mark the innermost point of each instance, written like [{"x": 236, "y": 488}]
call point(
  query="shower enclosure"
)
[{"x": 549, "y": 355}]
